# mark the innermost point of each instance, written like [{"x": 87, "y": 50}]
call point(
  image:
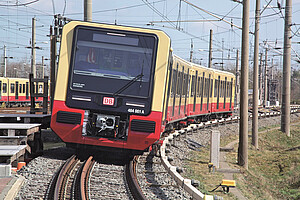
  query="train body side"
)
[
  {"x": 197, "y": 93},
  {"x": 16, "y": 91}
]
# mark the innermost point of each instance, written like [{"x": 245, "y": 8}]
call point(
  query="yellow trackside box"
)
[{"x": 228, "y": 183}]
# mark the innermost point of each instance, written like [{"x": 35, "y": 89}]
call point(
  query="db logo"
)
[{"x": 108, "y": 101}]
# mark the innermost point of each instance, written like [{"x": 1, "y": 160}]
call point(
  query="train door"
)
[
  {"x": 186, "y": 84},
  {"x": 169, "y": 86},
  {"x": 11, "y": 92},
  {"x": 202, "y": 90},
  {"x": 175, "y": 80},
  {"x": 195, "y": 93},
  {"x": 224, "y": 92},
  {"x": 17, "y": 90},
  {"x": 218, "y": 92},
  {"x": 180, "y": 88},
  {"x": 230, "y": 93},
  {"x": 208, "y": 93},
  {"x": 27, "y": 90}
]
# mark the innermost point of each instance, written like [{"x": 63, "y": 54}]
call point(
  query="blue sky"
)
[{"x": 16, "y": 15}]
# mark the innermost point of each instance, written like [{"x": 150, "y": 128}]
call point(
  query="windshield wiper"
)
[{"x": 128, "y": 84}]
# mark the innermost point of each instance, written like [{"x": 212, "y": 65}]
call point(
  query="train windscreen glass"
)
[{"x": 106, "y": 61}]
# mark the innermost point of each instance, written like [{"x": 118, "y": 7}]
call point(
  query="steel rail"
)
[
  {"x": 85, "y": 172},
  {"x": 132, "y": 182},
  {"x": 57, "y": 185},
  {"x": 63, "y": 177}
]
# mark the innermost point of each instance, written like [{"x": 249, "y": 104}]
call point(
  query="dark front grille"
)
[
  {"x": 68, "y": 117},
  {"x": 143, "y": 126}
]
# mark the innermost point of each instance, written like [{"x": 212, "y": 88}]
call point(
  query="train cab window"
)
[
  {"x": 4, "y": 87},
  {"x": 12, "y": 88},
  {"x": 0, "y": 89},
  {"x": 113, "y": 59}
]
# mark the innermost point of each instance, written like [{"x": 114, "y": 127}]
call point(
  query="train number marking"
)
[
  {"x": 109, "y": 101},
  {"x": 137, "y": 111}
]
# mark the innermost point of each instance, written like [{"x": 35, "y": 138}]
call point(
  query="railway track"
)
[
  {"x": 109, "y": 182},
  {"x": 71, "y": 180},
  {"x": 132, "y": 182},
  {"x": 170, "y": 140}
]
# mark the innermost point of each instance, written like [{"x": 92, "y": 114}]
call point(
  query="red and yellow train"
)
[
  {"x": 16, "y": 92},
  {"x": 119, "y": 88}
]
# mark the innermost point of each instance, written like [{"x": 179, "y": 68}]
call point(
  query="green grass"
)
[
  {"x": 274, "y": 169},
  {"x": 197, "y": 168}
]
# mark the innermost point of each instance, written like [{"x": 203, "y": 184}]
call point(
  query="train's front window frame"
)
[{"x": 104, "y": 60}]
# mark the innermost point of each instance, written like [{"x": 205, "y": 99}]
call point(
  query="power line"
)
[{"x": 23, "y": 4}]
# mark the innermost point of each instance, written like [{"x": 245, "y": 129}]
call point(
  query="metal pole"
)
[
  {"x": 33, "y": 66},
  {"x": 43, "y": 70},
  {"x": 237, "y": 81},
  {"x": 5, "y": 61},
  {"x": 191, "y": 52},
  {"x": 52, "y": 68},
  {"x": 243, "y": 132},
  {"x": 88, "y": 10},
  {"x": 266, "y": 80},
  {"x": 286, "y": 92},
  {"x": 255, "y": 78},
  {"x": 210, "y": 48},
  {"x": 260, "y": 79},
  {"x": 222, "y": 54}
]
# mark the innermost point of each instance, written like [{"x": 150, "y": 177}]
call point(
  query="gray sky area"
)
[{"x": 195, "y": 23}]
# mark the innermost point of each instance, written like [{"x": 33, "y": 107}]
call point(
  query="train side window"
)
[
  {"x": 202, "y": 85},
  {"x": 174, "y": 83},
  {"x": 178, "y": 83},
  {"x": 0, "y": 89},
  {"x": 23, "y": 88},
  {"x": 226, "y": 88},
  {"x": 4, "y": 87},
  {"x": 221, "y": 94},
  {"x": 20, "y": 88},
  {"x": 206, "y": 87},
  {"x": 193, "y": 86},
  {"x": 198, "y": 86},
  {"x": 12, "y": 88},
  {"x": 211, "y": 87},
  {"x": 222, "y": 89},
  {"x": 216, "y": 88},
  {"x": 229, "y": 90}
]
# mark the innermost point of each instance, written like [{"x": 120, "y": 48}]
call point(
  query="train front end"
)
[{"x": 110, "y": 87}]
